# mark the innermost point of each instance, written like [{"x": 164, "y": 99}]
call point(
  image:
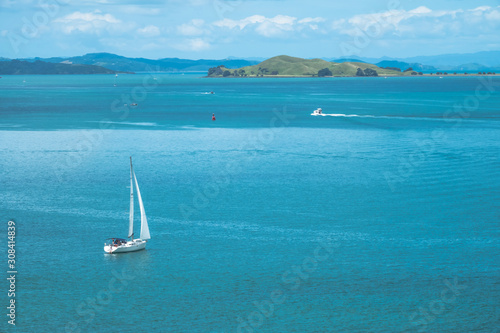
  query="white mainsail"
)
[
  {"x": 131, "y": 216},
  {"x": 144, "y": 221},
  {"x": 118, "y": 245}
]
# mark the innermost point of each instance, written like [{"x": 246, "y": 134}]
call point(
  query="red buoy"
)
[{"x": 213, "y": 116}]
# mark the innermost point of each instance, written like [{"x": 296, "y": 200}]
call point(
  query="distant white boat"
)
[
  {"x": 317, "y": 112},
  {"x": 120, "y": 245}
]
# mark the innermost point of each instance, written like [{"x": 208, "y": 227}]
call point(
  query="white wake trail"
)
[{"x": 345, "y": 115}]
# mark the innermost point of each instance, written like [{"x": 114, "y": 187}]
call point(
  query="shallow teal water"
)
[{"x": 380, "y": 218}]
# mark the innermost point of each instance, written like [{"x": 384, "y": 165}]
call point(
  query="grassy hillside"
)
[
  {"x": 286, "y": 65},
  {"x": 291, "y": 66}
]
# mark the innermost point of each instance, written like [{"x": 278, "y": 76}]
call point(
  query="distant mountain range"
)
[
  {"x": 468, "y": 62},
  {"x": 472, "y": 62},
  {"x": 120, "y": 63},
  {"x": 405, "y": 65},
  {"x": 20, "y": 67}
]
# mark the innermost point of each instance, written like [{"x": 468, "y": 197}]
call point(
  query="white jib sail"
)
[
  {"x": 131, "y": 216},
  {"x": 144, "y": 221}
]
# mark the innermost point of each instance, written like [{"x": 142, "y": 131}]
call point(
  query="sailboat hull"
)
[{"x": 132, "y": 246}]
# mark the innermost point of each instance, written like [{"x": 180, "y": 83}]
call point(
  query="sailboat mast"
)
[{"x": 131, "y": 216}]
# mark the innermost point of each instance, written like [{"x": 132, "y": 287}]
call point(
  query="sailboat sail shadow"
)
[{"x": 120, "y": 245}]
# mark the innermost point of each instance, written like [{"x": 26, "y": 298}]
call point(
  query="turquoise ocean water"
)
[{"x": 382, "y": 216}]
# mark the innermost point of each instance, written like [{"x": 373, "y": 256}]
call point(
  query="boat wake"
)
[
  {"x": 345, "y": 115},
  {"x": 126, "y": 123}
]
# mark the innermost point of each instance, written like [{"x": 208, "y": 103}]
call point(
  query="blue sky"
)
[{"x": 216, "y": 29}]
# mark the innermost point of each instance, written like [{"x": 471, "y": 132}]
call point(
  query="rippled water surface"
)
[{"x": 380, "y": 216}]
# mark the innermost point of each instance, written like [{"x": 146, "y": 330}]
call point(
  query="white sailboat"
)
[{"x": 120, "y": 245}]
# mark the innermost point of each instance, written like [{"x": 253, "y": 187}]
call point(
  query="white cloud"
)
[
  {"x": 194, "y": 44},
  {"x": 275, "y": 26},
  {"x": 420, "y": 10},
  {"x": 312, "y": 20},
  {"x": 91, "y": 16},
  {"x": 421, "y": 21},
  {"x": 193, "y": 28},
  {"x": 149, "y": 31},
  {"x": 139, "y": 10},
  {"x": 382, "y": 21},
  {"x": 231, "y": 24},
  {"x": 493, "y": 15},
  {"x": 481, "y": 9},
  {"x": 198, "y": 44},
  {"x": 270, "y": 26},
  {"x": 92, "y": 23}
]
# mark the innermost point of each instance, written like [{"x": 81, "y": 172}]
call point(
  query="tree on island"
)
[
  {"x": 366, "y": 72},
  {"x": 325, "y": 72},
  {"x": 263, "y": 71},
  {"x": 370, "y": 72},
  {"x": 215, "y": 70},
  {"x": 393, "y": 68},
  {"x": 226, "y": 73},
  {"x": 409, "y": 69}
]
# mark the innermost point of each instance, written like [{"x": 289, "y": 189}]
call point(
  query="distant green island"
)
[
  {"x": 286, "y": 66},
  {"x": 20, "y": 67}
]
